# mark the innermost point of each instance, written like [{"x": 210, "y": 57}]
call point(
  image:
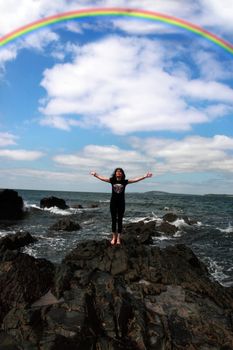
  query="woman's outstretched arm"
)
[
  {"x": 136, "y": 179},
  {"x": 102, "y": 178}
]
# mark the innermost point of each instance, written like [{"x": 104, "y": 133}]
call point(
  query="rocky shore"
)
[
  {"x": 135, "y": 296},
  {"x": 101, "y": 297}
]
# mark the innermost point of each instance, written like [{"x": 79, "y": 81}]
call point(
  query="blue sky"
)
[{"x": 117, "y": 92}]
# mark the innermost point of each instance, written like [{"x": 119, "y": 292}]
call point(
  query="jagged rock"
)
[
  {"x": 171, "y": 217},
  {"x": 53, "y": 202},
  {"x": 167, "y": 228},
  {"x": 140, "y": 231},
  {"x": 129, "y": 297},
  {"x": 7, "y": 342},
  {"x": 23, "y": 279},
  {"x": 16, "y": 241},
  {"x": 94, "y": 205},
  {"x": 77, "y": 206},
  {"x": 11, "y": 205},
  {"x": 65, "y": 224}
]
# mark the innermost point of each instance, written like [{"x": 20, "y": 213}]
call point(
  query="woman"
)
[{"x": 117, "y": 203}]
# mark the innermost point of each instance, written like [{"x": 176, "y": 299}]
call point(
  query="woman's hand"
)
[
  {"x": 93, "y": 173},
  {"x": 148, "y": 175}
]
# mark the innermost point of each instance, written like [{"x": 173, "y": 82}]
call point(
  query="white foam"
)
[
  {"x": 179, "y": 223},
  {"x": 199, "y": 223},
  {"x": 217, "y": 271},
  {"x": 34, "y": 206},
  {"x": 162, "y": 238},
  {"x": 8, "y": 232},
  {"x": 229, "y": 228},
  {"x": 3, "y": 234},
  {"x": 136, "y": 219},
  {"x": 57, "y": 211},
  {"x": 178, "y": 234}
]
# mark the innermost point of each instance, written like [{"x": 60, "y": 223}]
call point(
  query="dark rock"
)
[
  {"x": 23, "y": 280},
  {"x": 11, "y": 205},
  {"x": 65, "y": 224},
  {"x": 7, "y": 342},
  {"x": 130, "y": 297},
  {"x": 170, "y": 217},
  {"x": 77, "y": 206},
  {"x": 16, "y": 241},
  {"x": 94, "y": 205},
  {"x": 53, "y": 202},
  {"x": 140, "y": 231},
  {"x": 167, "y": 228}
]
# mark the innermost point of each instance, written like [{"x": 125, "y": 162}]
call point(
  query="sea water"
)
[{"x": 211, "y": 237}]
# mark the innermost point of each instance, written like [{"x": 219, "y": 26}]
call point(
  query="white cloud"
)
[
  {"x": 204, "y": 90},
  {"x": 39, "y": 40},
  {"x": 106, "y": 159},
  {"x": 215, "y": 69},
  {"x": 191, "y": 154},
  {"x": 211, "y": 13},
  {"x": 123, "y": 84},
  {"x": 59, "y": 122},
  {"x": 217, "y": 15},
  {"x": 20, "y": 154},
  {"x": 6, "y": 54},
  {"x": 40, "y": 174},
  {"x": 35, "y": 41},
  {"x": 142, "y": 27},
  {"x": 7, "y": 139}
]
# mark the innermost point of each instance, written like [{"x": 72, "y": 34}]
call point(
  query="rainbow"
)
[{"x": 87, "y": 13}]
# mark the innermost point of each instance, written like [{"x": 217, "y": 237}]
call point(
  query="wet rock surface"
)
[
  {"x": 133, "y": 296},
  {"x": 16, "y": 241},
  {"x": 49, "y": 202},
  {"x": 65, "y": 224}
]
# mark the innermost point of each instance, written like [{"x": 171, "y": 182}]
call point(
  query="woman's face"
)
[{"x": 119, "y": 173}]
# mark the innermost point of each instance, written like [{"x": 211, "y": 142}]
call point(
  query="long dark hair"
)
[{"x": 113, "y": 177}]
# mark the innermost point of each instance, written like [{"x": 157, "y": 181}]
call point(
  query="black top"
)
[{"x": 118, "y": 189}]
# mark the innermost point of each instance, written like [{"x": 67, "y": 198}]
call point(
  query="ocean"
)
[{"x": 211, "y": 237}]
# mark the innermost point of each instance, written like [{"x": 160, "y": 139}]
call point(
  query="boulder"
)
[
  {"x": 11, "y": 205},
  {"x": 65, "y": 224},
  {"x": 140, "y": 231},
  {"x": 49, "y": 202},
  {"x": 77, "y": 206},
  {"x": 171, "y": 217},
  {"x": 16, "y": 241},
  {"x": 167, "y": 228},
  {"x": 94, "y": 205}
]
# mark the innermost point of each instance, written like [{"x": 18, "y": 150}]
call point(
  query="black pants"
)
[{"x": 117, "y": 209}]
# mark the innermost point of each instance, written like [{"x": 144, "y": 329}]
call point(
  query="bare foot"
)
[
  {"x": 113, "y": 241},
  {"x": 118, "y": 241}
]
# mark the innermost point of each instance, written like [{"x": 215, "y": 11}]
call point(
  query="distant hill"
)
[
  {"x": 218, "y": 195},
  {"x": 157, "y": 192}
]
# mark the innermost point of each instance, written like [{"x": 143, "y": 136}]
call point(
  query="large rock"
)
[
  {"x": 171, "y": 217},
  {"x": 16, "y": 241},
  {"x": 11, "y": 205},
  {"x": 140, "y": 231},
  {"x": 65, "y": 224},
  {"x": 23, "y": 279},
  {"x": 129, "y": 297},
  {"x": 49, "y": 202}
]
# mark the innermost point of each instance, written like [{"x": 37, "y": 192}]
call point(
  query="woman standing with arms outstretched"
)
[{"x": 117, "y": 203}]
